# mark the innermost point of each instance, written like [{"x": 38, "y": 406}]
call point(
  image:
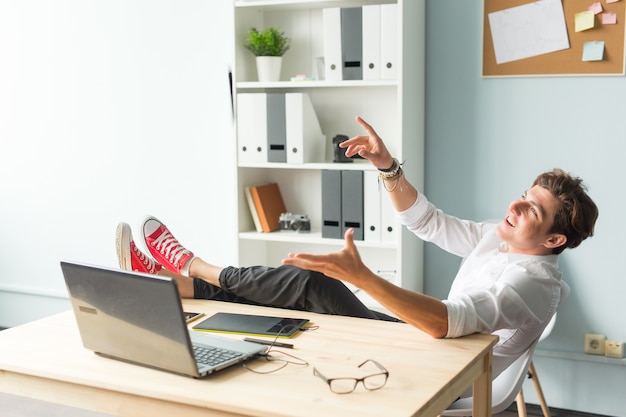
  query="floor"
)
[{"x": 535, "y": 410}]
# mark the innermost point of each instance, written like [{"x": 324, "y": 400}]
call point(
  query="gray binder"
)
[
  {"x": 352, "y": 43},
  {"x": 331, "y": 204},
  {"x": 352, "y": 202},
  {"x": 276, "y": 128}
]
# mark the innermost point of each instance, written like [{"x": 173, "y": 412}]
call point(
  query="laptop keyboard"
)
[{"x": 213, "y": 355}]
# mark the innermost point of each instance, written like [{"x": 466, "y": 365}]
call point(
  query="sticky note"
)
[
  {"x": 584, "y": 21},
  {"x": 596, "y": 8},
  {"x": 612, "y": 1},
  {"x": 593, "y": 51},
  {"x": 609, "y": 18}
]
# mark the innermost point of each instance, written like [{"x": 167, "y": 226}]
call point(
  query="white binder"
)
[
  {"x": 332, "y": 43},
  {"x": 389, "y": 41},
  {"x": 252, "y": 128},
  {"x": 371, "y": 42},
  {"x": 390, "y": 225},
  {"x": 305, "y": 140},
  {"x": 372, "y": 207}
]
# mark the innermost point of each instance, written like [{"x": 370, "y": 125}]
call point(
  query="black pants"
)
[{"x": 286, "y": 287}]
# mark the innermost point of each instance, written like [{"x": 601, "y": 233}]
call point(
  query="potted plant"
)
[{"x": 268, "y": 46}]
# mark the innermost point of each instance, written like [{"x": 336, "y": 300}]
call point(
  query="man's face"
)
[{"x": 528, "y": 221}]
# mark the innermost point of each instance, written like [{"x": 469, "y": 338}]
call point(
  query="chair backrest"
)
[
  {"x": 506, "y": 386},
  {"x": 546, "y": 332}
]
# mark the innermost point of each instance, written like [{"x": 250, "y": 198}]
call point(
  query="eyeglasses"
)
[{"x": 347, "y": 385}]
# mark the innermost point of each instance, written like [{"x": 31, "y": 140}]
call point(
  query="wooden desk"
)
[{"x": 45, "y": 359}]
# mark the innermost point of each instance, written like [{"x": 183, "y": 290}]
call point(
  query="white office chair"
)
[
  {"x": 532, "y": 374},
  {"x": 507, "y": 387}
]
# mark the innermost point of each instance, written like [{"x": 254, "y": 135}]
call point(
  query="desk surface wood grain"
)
[{"x": 45, "y": 359}]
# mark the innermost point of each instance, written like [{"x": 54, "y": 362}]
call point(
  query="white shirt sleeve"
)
[
  {"x": 523, "y": 296},
  {"x": 450, "y": 233}
]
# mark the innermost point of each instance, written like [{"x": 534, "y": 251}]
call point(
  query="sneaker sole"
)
[
  {"x": 141, "y": 227},
  {"x": 142, "y": 232},
  {"x": 122, "y": 246}
]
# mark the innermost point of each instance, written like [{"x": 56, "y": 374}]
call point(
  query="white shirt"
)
[{"x": 510, "y": 295}]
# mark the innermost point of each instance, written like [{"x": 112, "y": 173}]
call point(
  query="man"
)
[{"x": 509, "y": 283}]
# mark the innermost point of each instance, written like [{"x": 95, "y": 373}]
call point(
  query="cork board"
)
[{"x": 567, "y": 61}]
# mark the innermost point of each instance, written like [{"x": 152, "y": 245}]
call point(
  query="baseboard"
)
[
  {"x": 579, "y": 356},
  {"x": 33, "y": 291},
  {"x": 535, "y": 410},
  {"x": 22, "y": 304}
]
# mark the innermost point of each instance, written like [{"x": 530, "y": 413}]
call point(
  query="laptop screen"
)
[{"x": 130, "y": 316}]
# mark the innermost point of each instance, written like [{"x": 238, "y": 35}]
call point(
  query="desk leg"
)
[{"x": 481, "y": 404}]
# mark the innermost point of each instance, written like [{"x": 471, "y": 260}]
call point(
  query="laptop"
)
[{"x": 138, "y": 318}]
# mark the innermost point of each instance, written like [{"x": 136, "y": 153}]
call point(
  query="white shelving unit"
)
[{"x": 394, "y": 107}]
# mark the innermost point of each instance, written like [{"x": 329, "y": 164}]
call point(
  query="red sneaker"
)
[
  {"x": 164, "y": 247},
  {"x": 129, "y": 256}
]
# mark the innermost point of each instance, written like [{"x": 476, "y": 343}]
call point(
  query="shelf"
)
[
  {"x": 313, "y": 237},
  {"x": 394, "y": 107},
  {"x": 354, "y": 166},
  {"x": 306, "y": 4},
  {"x": 255, "y": 85}
]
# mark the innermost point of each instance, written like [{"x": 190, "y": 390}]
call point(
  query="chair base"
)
[{"x": 521, "y": 404}]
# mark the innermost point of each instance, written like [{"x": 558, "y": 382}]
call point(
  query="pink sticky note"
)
[
  {"x": 609, "y": 18},
  {"x": 596, "y": 8},
  {"x": 612, "y": 1}
]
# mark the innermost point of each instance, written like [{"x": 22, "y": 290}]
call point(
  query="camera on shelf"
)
[
  {"x": 339, "y": 154},
  {"x": 290, "y": 222}
]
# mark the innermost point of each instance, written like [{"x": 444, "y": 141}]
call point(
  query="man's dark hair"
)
[{"x": 576, "y": 213}]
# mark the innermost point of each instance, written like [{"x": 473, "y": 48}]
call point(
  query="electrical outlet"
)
[
  {"x": 614, "y": 349},
  {"x": 595, "y": 343}
]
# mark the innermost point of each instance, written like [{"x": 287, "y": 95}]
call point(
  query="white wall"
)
[
  {"x": 486, "y": 140},
  {"x": 109, "y": 110}
]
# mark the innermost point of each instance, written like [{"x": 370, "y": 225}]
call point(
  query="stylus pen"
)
[{"x": 269, "y": 342}]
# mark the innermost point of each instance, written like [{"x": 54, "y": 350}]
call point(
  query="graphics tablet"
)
[{"x": 251, "y": 324}]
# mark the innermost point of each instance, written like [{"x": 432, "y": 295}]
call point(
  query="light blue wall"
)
[{"x": 486, "y": 140}]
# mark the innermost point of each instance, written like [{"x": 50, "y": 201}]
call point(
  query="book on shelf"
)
[
  {"x": 269, "y": 205},
  {"x": 253, "y": 212}
]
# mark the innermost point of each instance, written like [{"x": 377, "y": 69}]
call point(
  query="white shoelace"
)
[
  {"x": 169, "y": 247},
  {"x": 149, "y": 263}
]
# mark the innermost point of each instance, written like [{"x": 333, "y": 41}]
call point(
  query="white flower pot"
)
[{"x": 268, "y": 68}]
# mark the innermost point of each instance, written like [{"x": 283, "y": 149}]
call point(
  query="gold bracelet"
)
[{"x": 397, "y": 178}]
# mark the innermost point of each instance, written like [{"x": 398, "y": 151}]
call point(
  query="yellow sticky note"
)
[{"x": 584, "y": 20}]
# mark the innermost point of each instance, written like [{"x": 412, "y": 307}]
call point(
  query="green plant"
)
[{"x": 270, "y": 42}]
